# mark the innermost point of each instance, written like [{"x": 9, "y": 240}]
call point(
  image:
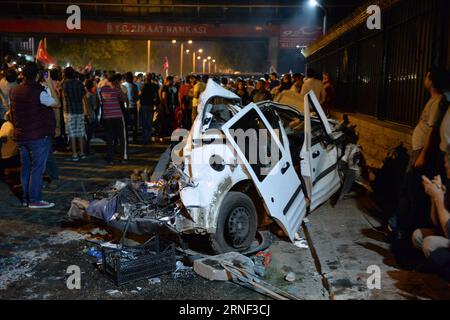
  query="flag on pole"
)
[
  {"x": 166, "y": 64},
  {"x": 42, "y": 54}
]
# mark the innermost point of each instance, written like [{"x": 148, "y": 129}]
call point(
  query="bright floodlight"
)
[
  {"x": 200, "y": 50},
  {"x": 198, "y": 58},
  {"x": 190, "y": 41},
  {"x": 174, "y": 41},
  {"x": 313, "y": 3},
  {"x": 187, "y": 50},
  {"x": 209, "y": 58},
  {"x": 214, "y": 60}
]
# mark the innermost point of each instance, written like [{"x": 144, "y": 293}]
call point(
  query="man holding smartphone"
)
[
  {"x": 34, "y": 128},
  {"x": 435, "y": 242}
]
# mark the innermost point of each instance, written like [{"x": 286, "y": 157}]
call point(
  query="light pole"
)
[
  {"x": 181, "y": 54},
  {"x": 203, "y": 68},
  {"x": 181, "y": 58},
  {"x": 149, "y": 55},
  {"x": 314, "y": 3},
  {"x": 209, "y": 64},
  {"x": 194, "y": 57},
  {"x": 215, "y": 65}
]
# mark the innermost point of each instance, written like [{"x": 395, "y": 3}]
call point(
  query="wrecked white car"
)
[
  {"x": 239, "y": 170},
  {"x": 247, "y": 167}
]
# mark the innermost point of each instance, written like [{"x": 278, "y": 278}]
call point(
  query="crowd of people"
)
[
  {"x": 424, "y": 205},
  {"x": 46, "y": 108},
  {"x": 41, "y": 109}
]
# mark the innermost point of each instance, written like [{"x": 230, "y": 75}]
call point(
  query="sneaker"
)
[
  {"x": 74, "y": 159},
  {"x": 82, "y": 156},
  {"x": 41, "y": 205}
]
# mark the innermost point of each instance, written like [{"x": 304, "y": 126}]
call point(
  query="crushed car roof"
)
[{"x": 216, "y": 90}]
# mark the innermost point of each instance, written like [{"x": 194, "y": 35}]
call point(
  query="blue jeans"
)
[{"x": 33, "y": 157}]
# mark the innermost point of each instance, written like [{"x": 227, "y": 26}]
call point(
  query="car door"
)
[
  {"x": 323, "y": 156},
  {"x": 276, "y": 180}
]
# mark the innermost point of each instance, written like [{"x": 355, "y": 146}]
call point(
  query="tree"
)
[
  {"x": 119, "y": 55},
  {"x": 249, "y": 56}
]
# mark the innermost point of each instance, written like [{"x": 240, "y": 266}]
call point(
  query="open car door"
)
[
  {"x": 270, "y": 166},
  {"x": 319, "y": 156}
]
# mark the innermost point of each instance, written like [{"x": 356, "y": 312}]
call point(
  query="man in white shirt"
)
[
  {"x": 414, "y": 206},
  {"x": 312, "y": 83}
]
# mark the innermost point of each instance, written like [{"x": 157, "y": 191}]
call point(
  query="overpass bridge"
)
[{"x": 284, "y": 26}]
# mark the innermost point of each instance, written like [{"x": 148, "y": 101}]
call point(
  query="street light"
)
[
  {"x": 203, "y": 68},
  {"x": 314, "y": 3},
  {"x": 200, "y": 50},
  {"x": 182, "y": 54},
  {"x": 209, "y": 64}
]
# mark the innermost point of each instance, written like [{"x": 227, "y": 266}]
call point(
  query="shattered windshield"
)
[{"x": 218, "y": 111}]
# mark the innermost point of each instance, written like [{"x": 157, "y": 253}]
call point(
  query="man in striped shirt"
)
[{"x": 113, "y": 120}]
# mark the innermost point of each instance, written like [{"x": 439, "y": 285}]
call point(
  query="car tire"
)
[{"x": 236, "y": 224}]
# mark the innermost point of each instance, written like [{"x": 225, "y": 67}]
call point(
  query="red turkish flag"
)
[{"x": 42, "y": 54}]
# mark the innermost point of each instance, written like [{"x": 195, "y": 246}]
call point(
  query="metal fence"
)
[{"x": 380, "y": 73}]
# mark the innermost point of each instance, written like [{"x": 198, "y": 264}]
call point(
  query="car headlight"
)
[{"x": 217, "y": 163}]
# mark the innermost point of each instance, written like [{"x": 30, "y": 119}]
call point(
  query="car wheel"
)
[{"x": 236, "y": 224}]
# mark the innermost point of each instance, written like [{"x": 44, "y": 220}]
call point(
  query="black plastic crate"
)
[{"x": 135, "y": 263}]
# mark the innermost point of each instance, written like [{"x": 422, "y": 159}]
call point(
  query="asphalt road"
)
[{"x": 37, "y": 247}]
